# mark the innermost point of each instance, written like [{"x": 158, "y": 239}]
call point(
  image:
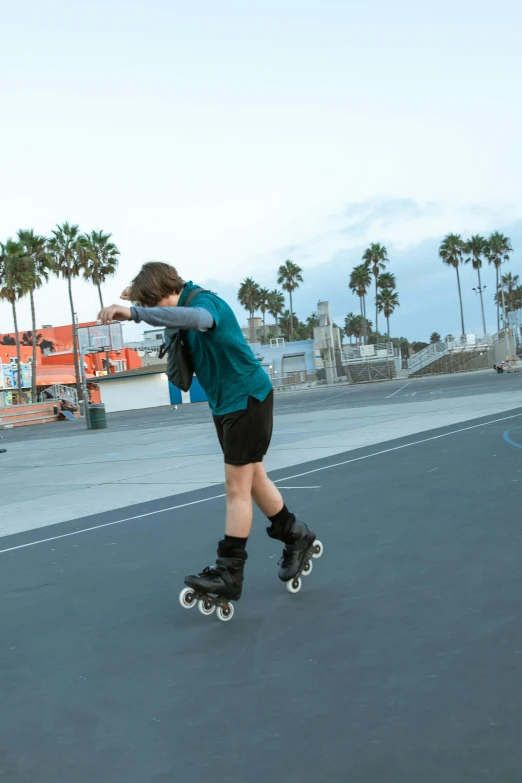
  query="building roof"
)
[
  {"x": 138, "y": 372},
  {"x": 56, "y": 373}
]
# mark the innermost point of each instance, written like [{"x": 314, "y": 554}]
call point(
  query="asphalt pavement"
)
[
  {"x": 333, "y": 397},
  {"x": 398, "y": 662}
]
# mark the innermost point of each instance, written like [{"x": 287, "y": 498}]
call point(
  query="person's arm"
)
[{"x": 192, "y": 318}]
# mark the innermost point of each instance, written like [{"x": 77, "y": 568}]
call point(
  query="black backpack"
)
[{"x": 180, "y": 369}]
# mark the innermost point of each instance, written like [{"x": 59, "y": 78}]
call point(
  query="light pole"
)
[{"x": 478, "y": 290}]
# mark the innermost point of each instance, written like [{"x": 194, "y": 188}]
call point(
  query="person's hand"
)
[
  {"x": 126, "y": 294},
  {"x": 114, "y": 313}
]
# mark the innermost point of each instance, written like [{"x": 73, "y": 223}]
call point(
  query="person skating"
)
[{"x": 241, "y": 399}]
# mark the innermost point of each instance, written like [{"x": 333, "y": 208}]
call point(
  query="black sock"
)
[
  {"x": 236, "y": 542},
  {"x": 281, "y": 522}
]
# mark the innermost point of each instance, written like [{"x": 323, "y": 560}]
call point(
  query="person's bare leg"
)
[
  {"x": 238, "y": 486},
  {"x": 266, "y": 495}
]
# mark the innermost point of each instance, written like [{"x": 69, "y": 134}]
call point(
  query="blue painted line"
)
[{"x": 510, "y": 440}]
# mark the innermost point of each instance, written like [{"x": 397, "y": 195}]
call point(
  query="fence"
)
[
  {"x": 426, "y": 357},
  {"x": 291, "y": 380},
  {"x": 465, "y": 354},
  {"x": 59, "y": 392},
  {"x": 364, "y": 353},
  {"x": 457, "y": 361},
  {"x": 370, "y": 371}
]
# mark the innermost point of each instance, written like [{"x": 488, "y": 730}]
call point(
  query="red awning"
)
[{"x": 53, "y": 374}]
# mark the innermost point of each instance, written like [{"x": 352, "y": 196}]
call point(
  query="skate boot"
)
[
  {"x": 217, "y": 585},
  {"x": 301, "y": 545}
]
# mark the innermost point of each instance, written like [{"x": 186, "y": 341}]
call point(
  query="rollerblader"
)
[{"x": 203, "y": 335}]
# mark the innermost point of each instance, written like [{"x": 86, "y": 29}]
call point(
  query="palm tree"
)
[
  {"x": 248, "y": 297},
  {"x": 435, "y": 337},
  {"x": 35, "y": 248},
  {"x": 288, "y": 325},
  {"x": 312, "y": 321},
  {"x": 498, "y": 250},
  {"x": 67, "y": 249},
  {"x": 517, "y": 298},
  {"x": 102, "y": 259},
  {"x": 387, "y": 280},
  {"x": 451, "y": 250},
  {"x": 360, "y": 280},
  {"x": 15, "y": 282},
  {"x": 276, "y": 305},
  {"x": 476, "y": 249},
  {"x": 509, "y": 284},
  {"x": 387, "y": 301},
  {"x": 376, "y": 256},
  {"x": 350, "y": 326},
  {"x": 264, "y": 295},
  {"x": 289, "y": 276},
  {"x": 361, "y": 326}
]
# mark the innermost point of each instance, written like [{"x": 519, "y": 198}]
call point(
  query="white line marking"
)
[
  {"x": 109, "y": 524},
  {"x": 287, "y": 478},
  {"x": 298, "y": 487},
  {"x": 397, "y": 448},
  {"x": 398, "y": 390},
  {"x": 326, "y": 399}
]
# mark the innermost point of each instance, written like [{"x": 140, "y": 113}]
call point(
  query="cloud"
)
[
  {"x": 412, "y": 233},
  {"x": 328, "y": 244}
]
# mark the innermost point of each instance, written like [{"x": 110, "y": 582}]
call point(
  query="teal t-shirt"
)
[{"x": 223, "y": 361}]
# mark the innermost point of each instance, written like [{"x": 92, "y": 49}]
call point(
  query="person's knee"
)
[
  {"x": 258, "y": 484},
  {"x": 260, "y": 480},
  {"x": 238, "y": 482}
]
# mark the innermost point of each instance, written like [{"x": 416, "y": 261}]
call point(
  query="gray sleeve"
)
[{"x": 195, "y": 318}]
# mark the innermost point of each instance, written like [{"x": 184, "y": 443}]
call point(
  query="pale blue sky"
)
[{"x": 226, "y": 137}]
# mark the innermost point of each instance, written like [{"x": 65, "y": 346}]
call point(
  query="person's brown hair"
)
[{"x": 153, "y": 282}]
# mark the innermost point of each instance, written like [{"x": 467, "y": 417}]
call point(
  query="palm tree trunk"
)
[
  {"x": 376, "y": 311},
  {"x": 503, "y": 304},
  {"x": 291, "y": 319},
  {"x": 388, "y": 325},
  {"x": 75, "y": 344},
  {"x": 498, "y": 300},
  {"x": 481, "y": 303},
  {"x": 98, "y": 286},
  {"x": 365, "y": 324},
  {"x": 18, "y": 352},
  {"x": 460, "y": 300},
  {"x": 33, "y": 366},
  {"x": 264, "y": 327}
]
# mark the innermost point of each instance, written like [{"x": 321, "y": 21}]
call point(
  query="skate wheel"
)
[
  {"x": 187, "y": 598},
  {"x": 206, "y": 606},
  {"x": 225, "y": 613},
  {"x": 294, "y": 585},
  {"x": 307, "y": 568},
  {"x": 318, "y": 549}
]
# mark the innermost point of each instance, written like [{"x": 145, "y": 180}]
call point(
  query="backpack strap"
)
[{"x": 192, "y": 295}]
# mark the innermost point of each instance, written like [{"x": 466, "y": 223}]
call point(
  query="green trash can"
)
[{"x": 98, "y": 416}]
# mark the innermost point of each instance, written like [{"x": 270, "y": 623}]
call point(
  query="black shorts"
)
[{"x": 245, "y": 435}]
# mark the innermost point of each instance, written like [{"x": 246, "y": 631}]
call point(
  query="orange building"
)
[{"x": 55, "y": 360}]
